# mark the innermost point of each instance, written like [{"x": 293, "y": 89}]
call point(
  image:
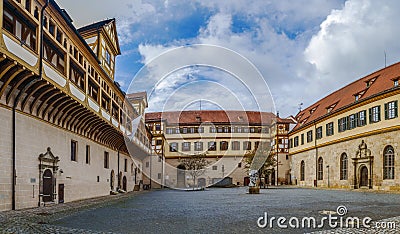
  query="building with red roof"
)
[
  {"x": 223, "y": 136},
  {"x": 349, "y": 139}
]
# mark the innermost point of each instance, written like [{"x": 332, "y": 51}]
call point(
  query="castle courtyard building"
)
[
  {"x": 223, "y": 137},
  {"x": 65, "y": 121},
  {"x": 350, "y": 138}
]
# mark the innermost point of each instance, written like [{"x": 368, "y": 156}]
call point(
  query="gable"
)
[{"x": 111, "y": 34}]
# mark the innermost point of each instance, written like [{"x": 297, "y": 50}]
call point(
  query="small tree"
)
[
  {"x": 195, "y": 165},
  {"x": 264, "y": 155}
]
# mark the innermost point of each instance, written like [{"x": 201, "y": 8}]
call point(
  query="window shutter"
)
[
  {"x": 395, "y": 108},
  {"x": 386, "y": 111},
  {"x": 370, "y": 115},
  {"x": 356, "y": 120},
  {"x": 379, "y": 113}
]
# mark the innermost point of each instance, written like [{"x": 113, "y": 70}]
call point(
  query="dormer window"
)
[
  {"x": 331, "y": 107},
  {"x": 371, "y": 81},
  {"x": 357, "y": 96},
  {"x": 313, "y": 110},
  {"x": 198, "y": 118},
  {"x": 396, "y": 83}
]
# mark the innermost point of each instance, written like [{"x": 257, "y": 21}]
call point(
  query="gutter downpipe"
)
[{"x": 16, "y": 100}]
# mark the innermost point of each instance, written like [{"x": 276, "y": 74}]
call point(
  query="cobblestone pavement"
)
[
  {"x": 36, "y": 220},
  {"x": 211, "y": 211},
  {"x": 394, "y": 228}
]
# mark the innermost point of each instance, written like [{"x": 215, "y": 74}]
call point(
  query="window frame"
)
[
  {"x": 344, "y": 166},
  {"x": 389, "y": 163},
  {"x": 391, "y": 110},
  {"x": 186, "y": 146},
  {"x": 375, "y": 114},
  {"x": 223, "y": 145},
  {"x": 330, "y": 129},
  {"x": 320, "y": 169},
  {"x": 87, "y": 156},
  {"x": 309, "y": 136},
  {"x": 74, "y": 151},
  {"x": 106, "y": 160},
  {"x": 212, "y": 146}
]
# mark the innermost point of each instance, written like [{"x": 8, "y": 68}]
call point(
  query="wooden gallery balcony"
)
[{"x": 66, "y": 86}]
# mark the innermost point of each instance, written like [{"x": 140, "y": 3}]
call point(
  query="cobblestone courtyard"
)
[{"x": 211, "y": 211}]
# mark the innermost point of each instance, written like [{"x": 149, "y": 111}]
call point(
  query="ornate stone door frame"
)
[
  {"x": 48, "y": 161},
  {"x": 363, "y": 158}
]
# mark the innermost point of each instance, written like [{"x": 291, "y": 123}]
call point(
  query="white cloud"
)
[
  {"x": 304, "y": 49},
  {"x": 351, "y": 42}
]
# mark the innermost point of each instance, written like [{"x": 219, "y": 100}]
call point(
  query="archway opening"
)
[{"x": 180, "y": 176}]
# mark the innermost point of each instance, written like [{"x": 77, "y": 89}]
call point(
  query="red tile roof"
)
[
  {"x": 365, "y": 87},
  {"x": 138, "y": 95},
  {"x": 288, "y": 120},
  {"x": 212, "y": 116}
]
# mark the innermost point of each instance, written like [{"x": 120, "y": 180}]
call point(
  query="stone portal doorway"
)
[
  {"x": 363, "y": 176},
  {"x": 48, "y": 168},
  {"x": 363, "y": 165},
  {"x": 180, "y": 177},
  {"x": 47, "y": 186}
]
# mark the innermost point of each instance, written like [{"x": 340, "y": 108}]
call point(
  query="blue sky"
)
[{"x": 304, "y": 49}]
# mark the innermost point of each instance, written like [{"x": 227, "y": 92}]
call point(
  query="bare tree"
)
[{"x": 195, "y": 165}]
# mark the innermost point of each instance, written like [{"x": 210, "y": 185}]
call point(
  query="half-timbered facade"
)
[
  {"x": 65, "y": 120},
  {"x": 224, "y": 137}
]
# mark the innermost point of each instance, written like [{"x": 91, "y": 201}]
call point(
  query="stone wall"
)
[
  {"x": 331, "y": 155},
  {"x": 81, "y": 180}
]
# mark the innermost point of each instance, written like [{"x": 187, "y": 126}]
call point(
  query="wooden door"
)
[
  {"x": 363, "y": 176},
  {"x": 61, "y": 193},
  {"x": 124, "y": 183},
  {"x": 47, "y": 186}
]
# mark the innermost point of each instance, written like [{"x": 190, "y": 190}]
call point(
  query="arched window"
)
[
  {"x": 388, "y": 163},
  {"x": 343, "y": 166},
  {"x": 320, "y": 169},
  {"x": 302, "y": 169}
]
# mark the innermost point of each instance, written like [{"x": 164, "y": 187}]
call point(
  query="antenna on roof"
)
[
  {"x": 300, "y": 106},
  {"x": 200, "y": 104},
  {"x": 385, "y": 56}
]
